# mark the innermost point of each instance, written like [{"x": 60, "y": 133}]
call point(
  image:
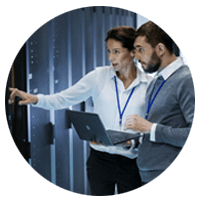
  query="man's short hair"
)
[{"x": 155, "y": 35}]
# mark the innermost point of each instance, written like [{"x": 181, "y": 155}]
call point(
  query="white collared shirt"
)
[
  {"x": 99, "y": 84},
  {"x": 166, "y": 73}
]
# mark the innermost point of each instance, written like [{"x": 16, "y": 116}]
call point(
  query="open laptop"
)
[{"x": 90, "y": 127}]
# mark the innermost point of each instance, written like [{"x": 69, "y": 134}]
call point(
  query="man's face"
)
[{"x": 146, "y": 55}]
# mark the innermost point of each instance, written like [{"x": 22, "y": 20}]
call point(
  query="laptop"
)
[{"x": 90, "y": 127}]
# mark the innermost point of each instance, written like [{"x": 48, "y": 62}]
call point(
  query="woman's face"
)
[{"x": 120, "y": 57}]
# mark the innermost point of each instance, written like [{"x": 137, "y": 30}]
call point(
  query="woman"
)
[{"x": 117, "y": 91}]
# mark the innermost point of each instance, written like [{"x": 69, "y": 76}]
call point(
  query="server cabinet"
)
[
  {"x": 38, "y": 82},
  {"x": 62, "y": 72},
  {"x": 17, "y": 115}
]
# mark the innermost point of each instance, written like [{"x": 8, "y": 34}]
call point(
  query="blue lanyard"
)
[
  {"x": 119, "y": 109},
  {"x": 150, "y": 102}
]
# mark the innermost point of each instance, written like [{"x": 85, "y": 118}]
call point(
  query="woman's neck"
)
[{"x": 127, "y": 75}]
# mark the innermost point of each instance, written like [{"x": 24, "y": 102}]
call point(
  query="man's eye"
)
[{"x": 140, "y": 49}]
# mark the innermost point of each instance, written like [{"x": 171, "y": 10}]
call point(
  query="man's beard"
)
[{"x": 154, "y": 64}]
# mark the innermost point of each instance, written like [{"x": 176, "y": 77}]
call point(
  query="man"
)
[{"x": 169, "y": 102}]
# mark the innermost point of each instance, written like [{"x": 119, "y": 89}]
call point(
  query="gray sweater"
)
[{"x": 173, "y": 111}]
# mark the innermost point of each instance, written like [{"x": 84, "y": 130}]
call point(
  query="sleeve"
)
[
  {"x": 186, "y": 99},
  {"x": 79, "y": 92},
  {"x": 153, "y": 132}
]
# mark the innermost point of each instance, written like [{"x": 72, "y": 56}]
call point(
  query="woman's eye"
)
[
  {"x": 117, "y": 52},
  {"x": 113, "y": 51}
]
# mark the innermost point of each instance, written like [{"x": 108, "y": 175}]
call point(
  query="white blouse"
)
[{"x": 100, "y": 85}]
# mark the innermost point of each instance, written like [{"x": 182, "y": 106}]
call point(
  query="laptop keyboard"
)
[
  {"x": 119, "y": 136},
  {"x": 116, "y": 138}
]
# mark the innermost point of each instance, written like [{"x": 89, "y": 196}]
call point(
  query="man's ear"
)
[{"x": 160, "y": 48}]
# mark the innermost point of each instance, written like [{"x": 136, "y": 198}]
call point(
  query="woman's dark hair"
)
[
  {"x": 123, "y": 34},
  {"x": 155, "y": 35}
]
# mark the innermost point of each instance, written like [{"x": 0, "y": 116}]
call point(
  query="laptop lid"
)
[{"x": 89, "y": 127}]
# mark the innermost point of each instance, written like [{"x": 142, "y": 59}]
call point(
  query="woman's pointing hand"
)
[{"x": 26, "y": 98}]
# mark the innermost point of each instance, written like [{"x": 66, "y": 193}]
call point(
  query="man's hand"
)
[
  {"x": 137, "y": 123},
  {"x": 26, "y": 98}
]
